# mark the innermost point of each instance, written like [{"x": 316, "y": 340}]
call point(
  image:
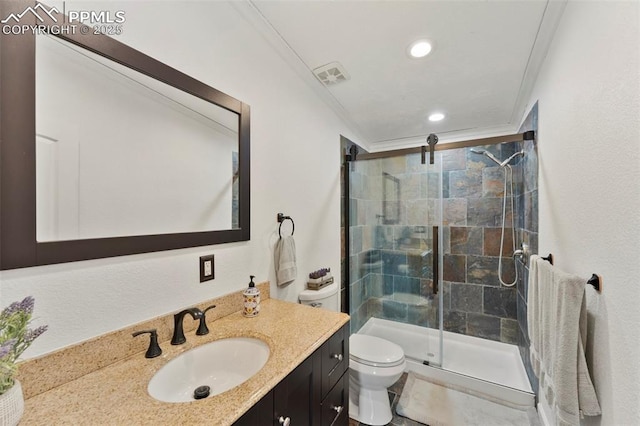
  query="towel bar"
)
[
  {"x": 596, "y": 282},
  {"x": 595, "y": 279}
]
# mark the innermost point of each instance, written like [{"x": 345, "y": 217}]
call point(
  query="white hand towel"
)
[
  {"x": 533, "y": 314},
  {"x": 285, "y": 260},
  {"x": 557, "y": 315}
]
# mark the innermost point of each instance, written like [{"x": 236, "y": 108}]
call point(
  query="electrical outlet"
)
[{"x": 207, "y": 269}]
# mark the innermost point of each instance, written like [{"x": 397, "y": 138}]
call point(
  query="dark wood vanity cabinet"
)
[
  {"x": 335, "y": 379},
  {"x": 297, "y": 396},
  {"x": 258, "y": 413},
  {"x": 316, "y": 393},
  {"x": 335, "y": 405}
]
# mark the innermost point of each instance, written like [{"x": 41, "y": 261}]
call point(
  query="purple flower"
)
[
  {"x": 15, "y": 338},
  {"x": 31, "y": 335},
  {"x": 25, "y": 306},
  {"x": 7, "y": 347},
  {"x": 11, "y": 309}
]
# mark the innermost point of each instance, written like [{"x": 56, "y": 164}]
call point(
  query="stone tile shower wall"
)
[
  {"x": 390, "y": 257},
  {"x": 390, "y": 263},
  {"x": 475, "y": 303}
]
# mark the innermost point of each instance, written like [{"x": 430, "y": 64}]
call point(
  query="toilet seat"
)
[{"x": 374, "y": 352}]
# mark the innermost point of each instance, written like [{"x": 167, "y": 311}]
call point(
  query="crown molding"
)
[
  {"x": 444, "y": 137},
  {"x": 546, "y": 31},
  {"x": 248, "y": 10}
]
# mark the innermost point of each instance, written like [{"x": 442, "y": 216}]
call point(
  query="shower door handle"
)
[{"x": 435, "y": 256}]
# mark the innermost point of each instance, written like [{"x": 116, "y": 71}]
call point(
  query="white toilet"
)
[
  {"x": 374, "y": 365},
  {"x": 325, "y": 298}
]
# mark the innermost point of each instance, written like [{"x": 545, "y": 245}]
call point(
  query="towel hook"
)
[{"x": 281, "y": 218}]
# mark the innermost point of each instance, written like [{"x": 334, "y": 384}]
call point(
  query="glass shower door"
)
[{"x": 394, "y": 241}]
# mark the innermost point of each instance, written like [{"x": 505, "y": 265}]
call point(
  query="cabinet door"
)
[
  {"x": 297, "y": 397},
  {"x": 258, "y": 413},
  {"x": 335, "y": 358},
  {"x": 335, "y": 407}
]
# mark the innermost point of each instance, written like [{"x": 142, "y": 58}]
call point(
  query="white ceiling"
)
[{"x": 480, "y": 72}]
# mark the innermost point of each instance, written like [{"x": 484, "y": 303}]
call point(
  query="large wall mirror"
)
[{"x": 105, "y": 151}]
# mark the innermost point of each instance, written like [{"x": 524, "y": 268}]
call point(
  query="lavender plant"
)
[
  {"x": 319, "y": 273},
  {"x": 15, "y": 338}
]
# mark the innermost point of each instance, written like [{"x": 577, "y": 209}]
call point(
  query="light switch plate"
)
[{"x": 207, "y": 268}]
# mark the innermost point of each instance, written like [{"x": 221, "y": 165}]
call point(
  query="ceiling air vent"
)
[{"x": 331, "y": 74}]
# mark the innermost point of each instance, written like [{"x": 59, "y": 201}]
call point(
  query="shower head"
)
[
  {"x": 487, "y": 154},
  {"x": 494, "y": 159}
]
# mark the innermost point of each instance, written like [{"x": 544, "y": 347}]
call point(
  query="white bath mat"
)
[{"x": 436, "y": 405}]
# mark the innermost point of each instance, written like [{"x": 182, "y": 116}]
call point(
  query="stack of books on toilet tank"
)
[{"x": 319, "y": 279}]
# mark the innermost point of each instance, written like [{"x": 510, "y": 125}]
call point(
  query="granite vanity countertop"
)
[{"x": 117, "y": 394}]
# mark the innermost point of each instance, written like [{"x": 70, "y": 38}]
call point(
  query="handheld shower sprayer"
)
[{"x": 507, "y": 173}]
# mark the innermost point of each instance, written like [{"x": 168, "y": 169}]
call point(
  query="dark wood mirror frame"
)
[{"x": 18, "y": 245}]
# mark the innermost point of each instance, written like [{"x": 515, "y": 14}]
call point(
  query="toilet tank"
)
[{"x": 326, "y": 297}]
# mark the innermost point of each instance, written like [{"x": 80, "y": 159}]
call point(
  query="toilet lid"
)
[{"x": 374, "y": 351}]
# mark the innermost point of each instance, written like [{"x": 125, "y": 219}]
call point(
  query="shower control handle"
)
[{"x": 522, "y": 254}]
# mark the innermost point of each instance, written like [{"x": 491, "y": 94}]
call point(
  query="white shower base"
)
[{"x": 488, "y": 368}]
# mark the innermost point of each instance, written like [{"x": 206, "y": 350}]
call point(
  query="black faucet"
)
[
  {"x": 202, "y": 328},
  {"x": 154, "y": 349},
  {"x": 178, "y": 332}
]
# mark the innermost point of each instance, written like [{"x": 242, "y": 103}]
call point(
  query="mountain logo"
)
[{"x": 34, "y": 11}]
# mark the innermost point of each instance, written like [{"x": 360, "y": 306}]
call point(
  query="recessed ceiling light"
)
[
  {"x": 420, "y": 48},
  {"x": 437, "y": 116}
]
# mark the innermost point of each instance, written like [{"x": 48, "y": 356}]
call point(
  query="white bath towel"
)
[
  {"x": 557, "y": 325},
  {"x": 285, "y": 260}
]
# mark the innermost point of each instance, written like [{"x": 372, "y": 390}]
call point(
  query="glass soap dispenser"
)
[{"x": 251, "y": 300}]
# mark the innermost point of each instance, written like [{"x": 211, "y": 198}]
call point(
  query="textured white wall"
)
[
  {"x": 294, "y": 169},
  {"x": 589, "y": 198}
]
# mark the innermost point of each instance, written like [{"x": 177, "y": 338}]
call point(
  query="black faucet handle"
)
[
  {"x": 202, "y": 328},
  {"x": 154, "y": 348}
]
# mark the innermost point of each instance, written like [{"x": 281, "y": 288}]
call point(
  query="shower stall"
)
[{"x": 429, "y": 258}]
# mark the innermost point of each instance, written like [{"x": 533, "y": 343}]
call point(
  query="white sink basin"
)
[{"x": 221, "y": 365}]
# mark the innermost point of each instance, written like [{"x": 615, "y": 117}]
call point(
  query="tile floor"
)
[{"x": 394, "y": 396}]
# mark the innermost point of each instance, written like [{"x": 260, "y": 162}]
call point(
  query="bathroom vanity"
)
[
  {"x": 315, "y": 393},
  {"x": 305, "y": 378}
]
